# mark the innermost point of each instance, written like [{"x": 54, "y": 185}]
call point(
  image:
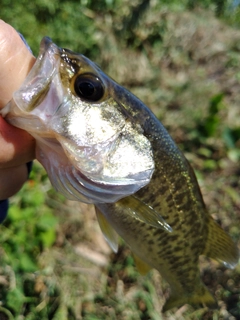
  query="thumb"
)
[{"x": 15, "y": 61}]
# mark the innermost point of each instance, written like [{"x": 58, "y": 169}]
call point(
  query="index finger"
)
[{"x": 15, "y": 60}]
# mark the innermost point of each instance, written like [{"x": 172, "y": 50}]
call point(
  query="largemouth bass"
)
[{"x": 100, "y": 144}]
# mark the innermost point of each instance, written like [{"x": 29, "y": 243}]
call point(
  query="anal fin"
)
[
  {"x": 219, "y": 246},
  {"x": 199, "y": 297},
  {"x": 109, "y": 233}
]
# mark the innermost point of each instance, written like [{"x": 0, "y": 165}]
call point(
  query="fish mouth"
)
[
  {"x": 42, "y": 83},
  {"x": 47, "y": 47}
]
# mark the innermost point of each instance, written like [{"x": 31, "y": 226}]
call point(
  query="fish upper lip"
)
[{"x": 46, "y": 43}]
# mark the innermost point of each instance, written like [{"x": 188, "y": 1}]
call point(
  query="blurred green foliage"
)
[
  {"x": 74, "y": 24},
  {"x": 29, "y": 229},
  {"x": 210, "y": 125}
]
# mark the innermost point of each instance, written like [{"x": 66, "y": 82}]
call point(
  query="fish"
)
[{"x": 100, "y": 144}]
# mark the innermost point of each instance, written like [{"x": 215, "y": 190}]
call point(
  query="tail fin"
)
[
  {"x": 199, "y": 297},
  {"x": 220, "y": 246}
]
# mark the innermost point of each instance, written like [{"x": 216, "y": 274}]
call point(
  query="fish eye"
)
[{"x": 88, "y": 87}]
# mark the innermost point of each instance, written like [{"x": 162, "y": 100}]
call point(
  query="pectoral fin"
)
[
  {"x": 142, "y": 267},
  {"x": 109, "y": 233},
  {"x": 141, "y": 211}
]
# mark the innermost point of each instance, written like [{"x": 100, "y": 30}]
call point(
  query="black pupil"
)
[
  {"x": 86, "y": 89},
  {"x": 89, "y": 87}
]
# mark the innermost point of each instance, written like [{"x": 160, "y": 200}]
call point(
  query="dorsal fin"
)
[
  {"x": 142, "y": 267},
  {"x": 145, "y": 213},
  {"x": 220, "y": 246},
  {"x": 109, "y": 233}
]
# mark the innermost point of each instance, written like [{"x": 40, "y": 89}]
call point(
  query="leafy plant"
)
[{"x": 29, "y": 228}]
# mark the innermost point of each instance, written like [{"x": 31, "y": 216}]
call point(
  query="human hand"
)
[{"x": 17, "y": 147}]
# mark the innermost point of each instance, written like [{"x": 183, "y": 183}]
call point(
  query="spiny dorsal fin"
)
[
  {"x": 109, "y": 233},
  {"x": 220, "y": 246},
  {"x": 145, "y": 213},
  {"x": 142, "y": 267}
]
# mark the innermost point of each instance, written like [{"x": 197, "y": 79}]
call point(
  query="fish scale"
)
[{"x": 100, "y": 144}]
